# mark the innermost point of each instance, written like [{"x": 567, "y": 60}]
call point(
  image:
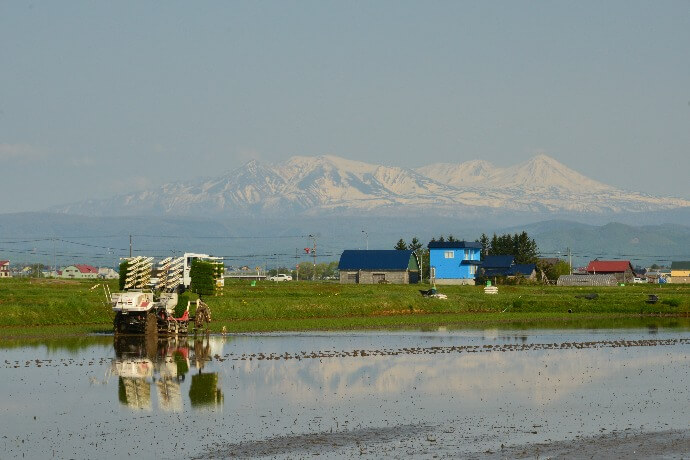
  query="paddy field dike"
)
[{"x": 55, "y": 307}]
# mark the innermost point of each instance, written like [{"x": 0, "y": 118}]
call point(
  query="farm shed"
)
[
  {"x": 621, "y": 269},
  {"x": 587, "y": 280},
  {"x": 378, "y": 267}
]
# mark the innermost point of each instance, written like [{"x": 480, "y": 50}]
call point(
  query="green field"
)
[{"x": 55, "y": 307}]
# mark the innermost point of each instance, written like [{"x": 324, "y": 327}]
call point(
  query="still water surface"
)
[{"x": 446, "y": 392}]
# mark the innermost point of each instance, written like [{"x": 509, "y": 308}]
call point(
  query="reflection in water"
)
[
  {"x": 452, "y": 394},
  {"x": 140, "y": 362},
  {"x": 204, "y": 390}
]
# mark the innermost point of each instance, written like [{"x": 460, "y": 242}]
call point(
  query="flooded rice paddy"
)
[{"x": 443, "y": 393}]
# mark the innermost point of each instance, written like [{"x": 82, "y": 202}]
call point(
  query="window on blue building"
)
[{"x": 449, "y": 255}]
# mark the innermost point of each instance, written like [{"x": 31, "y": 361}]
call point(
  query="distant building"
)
[
  {"x": 621, "y": 269},
  {"x": 5, "y": 269},
  {"x": 79, "y": 271},
  {"x": 378, "y": 266},
  {"x": 546, "y": 261},
  {"x": 505, "y": 266},
  {"x": 660, "y": 275},
  {"x": 454, "y": 262},
  {"x": 587, "y": 280},
  {"x": 107, "y": 273},
  {"x": 680, "y": 272}
]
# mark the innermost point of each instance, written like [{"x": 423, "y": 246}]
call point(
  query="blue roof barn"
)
[
  {"x": 378, "y": 267},
  {"x": 493, "y": 266}
]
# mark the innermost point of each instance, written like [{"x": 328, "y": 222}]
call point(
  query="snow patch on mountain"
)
[{"x": 330, "y": 184}]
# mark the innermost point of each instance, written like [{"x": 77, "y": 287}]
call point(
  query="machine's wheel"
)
[
  {"x": 118, "y": 324},
  {"x": 151, "y": 327}
]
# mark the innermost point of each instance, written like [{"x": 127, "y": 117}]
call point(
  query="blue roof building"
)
[
  {"x": 378, "y": 267},
  {"x": 454, "y": 262},
  {"x": 493, "y": 266}
]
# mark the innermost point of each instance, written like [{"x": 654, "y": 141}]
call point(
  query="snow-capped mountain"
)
[
  {"x": 329, "y": 184},
  {"x": 540, "y": 172}
]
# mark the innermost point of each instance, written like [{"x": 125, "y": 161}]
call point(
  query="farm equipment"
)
[
  {"x": 432, "y": 293},
  {"x": 147, "y": 307},
  {"x": 135, "y": 309}
]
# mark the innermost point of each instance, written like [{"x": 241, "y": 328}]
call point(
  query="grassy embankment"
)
[{"x": 71, "y": 307}]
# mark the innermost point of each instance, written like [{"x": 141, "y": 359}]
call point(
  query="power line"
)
[{"x": 235, "y": 237}]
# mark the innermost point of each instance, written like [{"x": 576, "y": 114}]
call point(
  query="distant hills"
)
[
  {"x": 647, "y": 244},
  {"x": 331, "y": 186},
  {"x": 39, "y": 237}
]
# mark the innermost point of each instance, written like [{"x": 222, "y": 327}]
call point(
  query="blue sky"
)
[{"x": 101, "y": 98}]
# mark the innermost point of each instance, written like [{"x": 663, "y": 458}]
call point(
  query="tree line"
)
[
  {"x": 305, "y": 271},
  {"x": 519, "y": 245}
]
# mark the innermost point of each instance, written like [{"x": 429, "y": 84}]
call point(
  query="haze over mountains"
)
[{"x": 330, "y": 185}]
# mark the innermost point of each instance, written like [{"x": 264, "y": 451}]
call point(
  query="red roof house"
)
[
  {"x": 79, "y": 271},
  {"x": 4, "y": 268},
  {"x": 86, "y": 268},
  {"x": 623, "y": 269}
]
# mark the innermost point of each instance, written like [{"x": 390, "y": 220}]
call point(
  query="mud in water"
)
[{"x": 481, "y": 394}]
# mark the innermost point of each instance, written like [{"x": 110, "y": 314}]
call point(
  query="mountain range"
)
[
  {"x": 67, "y": 239},
  {"x": 330, "y": 185}
]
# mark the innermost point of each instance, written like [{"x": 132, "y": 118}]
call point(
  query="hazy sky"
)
[{"x": 100, "y": 98}]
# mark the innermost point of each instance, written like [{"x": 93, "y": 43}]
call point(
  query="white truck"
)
[{"x": 189, "y": 258}]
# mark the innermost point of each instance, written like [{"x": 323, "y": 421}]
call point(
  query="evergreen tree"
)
[
  {"x": 401, "y": 245},
  {"x": 451, "y": 238},
  {"x": 521, "y": 246},
  {"x": 484, "y": 241},
  {"x": 415, "y": 245},
  {"x": 526, "y": 251},
  {"x": 493, "y": 246}
]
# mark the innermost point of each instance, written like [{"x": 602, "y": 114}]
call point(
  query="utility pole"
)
[
  {"x": 366, "y": 235},
  {"x": 313, "y": 251},
  {"x": 570, "y": 260},
  {"x": 130, "y": 246},
  {"x": 421, "y": 268}
]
